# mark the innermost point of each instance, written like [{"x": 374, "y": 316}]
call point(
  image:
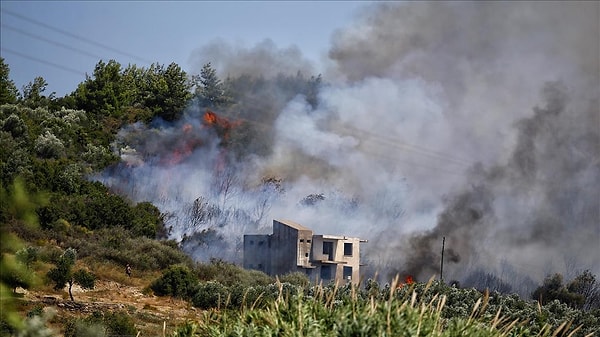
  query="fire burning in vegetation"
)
[
  {"x": 471, "y": 152},
  {"x": 221, "y": 125}
]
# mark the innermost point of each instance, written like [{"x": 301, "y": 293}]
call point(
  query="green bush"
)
[
  {"x": 229, "y": 274},
  {"x": 209, "y": 295},
  {"x": 177, "y": 281},
  {"x": 101, "y": 324},
  {"x": 296, "y": 278}
]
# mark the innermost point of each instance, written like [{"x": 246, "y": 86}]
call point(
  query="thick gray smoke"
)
[{"x": 430, "y": 125}]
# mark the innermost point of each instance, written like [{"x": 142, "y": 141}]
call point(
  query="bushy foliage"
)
[
  {"x": 582, "y": 292},
  {"x": 101, "y": 324},
  {"x": 134, "y": 94},
  {"x": 121, "y": 246},
  {"x": 177, "y": 281},
  {"x": 417, "y": 309},
  {"x": 210, "y": 294},
  {"x": 229, "y": 274},
  {"x": 8, "y": 90},
  {"x": 296, "y": 278}
]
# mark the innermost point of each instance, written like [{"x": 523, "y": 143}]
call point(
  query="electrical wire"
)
[
  {"x": 55, "y": 65},
  {"x": 74, "y": 36},
  {"x": 52, "y": 42}
]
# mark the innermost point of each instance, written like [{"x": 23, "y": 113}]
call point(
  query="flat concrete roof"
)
[
  {"x": 339, "y": 237},
  {"x": 294, "y": 225}
]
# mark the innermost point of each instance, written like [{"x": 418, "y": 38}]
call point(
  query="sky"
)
[{"x": 63, "y": 40}]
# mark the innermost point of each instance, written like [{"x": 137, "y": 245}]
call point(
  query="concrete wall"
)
[
  {"x": 257, "y": 252},
  {"x": 284, "y": 250}
]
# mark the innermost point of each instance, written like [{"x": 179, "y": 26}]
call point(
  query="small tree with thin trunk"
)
[{"x": 63, "y": 273}]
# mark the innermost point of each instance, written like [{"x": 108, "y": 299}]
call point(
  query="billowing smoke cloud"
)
[
  {"x": 431, "y": 125},
  {"x": 262, "y": 60}
]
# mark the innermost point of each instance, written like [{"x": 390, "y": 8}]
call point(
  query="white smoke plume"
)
[{"x": 478, "y": 122}]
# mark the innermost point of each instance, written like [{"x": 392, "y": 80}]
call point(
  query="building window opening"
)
[
  {"x": 326, "y": 272},
  {"x": 348, "y": 248},
  {"x": 328, "y": 250},
  {"x": 260, "y": 243},
  {"x": 347, "y": 273},
  {"x": 301, "y": 240}
]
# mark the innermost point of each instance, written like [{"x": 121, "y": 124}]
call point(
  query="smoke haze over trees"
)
[{"x": 478, "y": 122}]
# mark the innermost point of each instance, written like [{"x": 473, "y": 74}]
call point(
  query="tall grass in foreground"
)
[{"x": 322, "y": 314}]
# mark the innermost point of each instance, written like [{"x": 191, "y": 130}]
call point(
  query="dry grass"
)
[{"x": 114, "y": 290}]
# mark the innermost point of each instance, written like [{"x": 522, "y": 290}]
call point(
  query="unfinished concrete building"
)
[{"x": 293, "y": 247}]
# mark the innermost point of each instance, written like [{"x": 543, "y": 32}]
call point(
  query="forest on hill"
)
[{"x": 75, "y": 210}]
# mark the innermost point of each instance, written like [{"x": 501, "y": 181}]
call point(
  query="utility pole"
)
[{"x": 442, "y": 262}]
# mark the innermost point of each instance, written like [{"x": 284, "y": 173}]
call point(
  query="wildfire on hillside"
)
[{"x": 184, "y": 147}]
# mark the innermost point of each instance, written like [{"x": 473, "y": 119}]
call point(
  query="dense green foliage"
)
[
  {"x": 242, "y": 300},
  {"x": 583, "y": 292},
  {"x": 8, "y": 90},
  {"x": 416, "y": 310},
  {"x": 177, "y": 281},
  {"x": 132, "y": 94},
  {"x": 50, "y": 148}
]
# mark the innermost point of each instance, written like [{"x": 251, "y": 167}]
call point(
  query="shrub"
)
[
  {"x": 209, "y": 295},
  {"x": 296, "y": 278},
  {"x": 229, "y": 274},
  {"x": 177, "y": 281},
  {"x": 49, "y": 146},
  {"x": 101, "y": 324}
]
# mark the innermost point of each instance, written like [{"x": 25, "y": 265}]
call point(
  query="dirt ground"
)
[{"x": 153, "y": 315}]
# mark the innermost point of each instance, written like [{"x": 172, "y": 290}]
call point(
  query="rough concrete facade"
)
[{"x": 293, "y": 247}]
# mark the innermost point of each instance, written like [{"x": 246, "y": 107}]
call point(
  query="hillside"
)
[
  {"x": 149, "y": 312},
  {"x": 112, "y": 292}
]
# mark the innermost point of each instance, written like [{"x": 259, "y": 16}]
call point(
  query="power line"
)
[
  {"x": 52, "y": 42},
  {"x": 4, "y": 49},
  {"x": 80, "y": 38}
]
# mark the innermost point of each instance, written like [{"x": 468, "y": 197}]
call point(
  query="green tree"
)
[
  {"x": 63, "y": 273},
  {"x": 8, "y": 90},
  {"x": 102, "y": 93},
  {"x": 33, "y": 93},
  {"x": 585, "y": 284},
  {"x": 210, "y": 91},
  {"x": 147, "y": 220},
  {"x": 167, "y": 92},
  {"x": 554, "y": 289}
]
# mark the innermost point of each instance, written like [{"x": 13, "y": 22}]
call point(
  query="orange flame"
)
[
  {"x": 408, "y": 280},
  {"x": 210, "y": 117},
  {"x": 221, "y": 125}
]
